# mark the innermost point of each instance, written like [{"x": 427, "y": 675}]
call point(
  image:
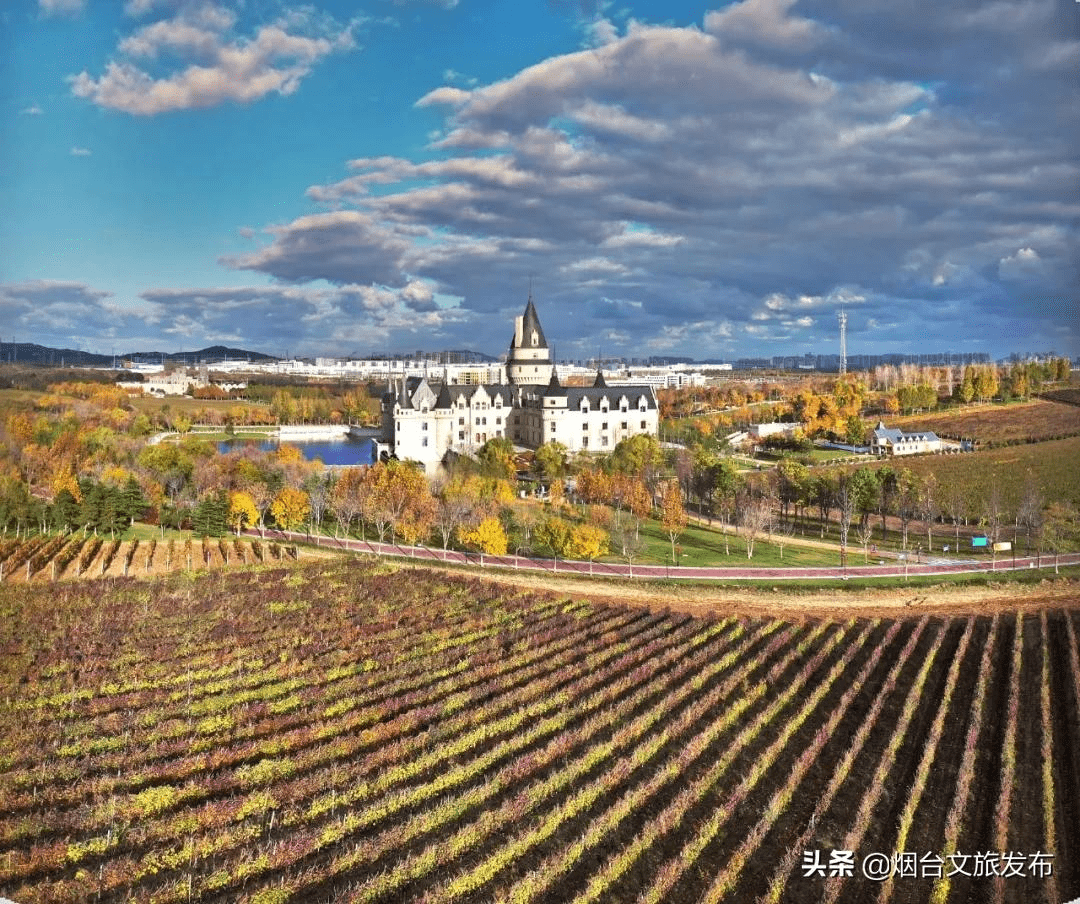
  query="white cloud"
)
[
  {"x": 767, "y": 22},
  {"x": 1025, "y": 263},
  {"x": 32, "y": 110},
  {"x": 223, "y": 67},
  {"x": 80, "y": 152},
  {"x": 53, "y": 7}
]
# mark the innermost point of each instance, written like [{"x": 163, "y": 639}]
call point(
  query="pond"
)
[{"x": 348, "y": 450}]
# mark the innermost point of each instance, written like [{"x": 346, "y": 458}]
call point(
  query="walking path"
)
[{"x": 653, "y": 572}]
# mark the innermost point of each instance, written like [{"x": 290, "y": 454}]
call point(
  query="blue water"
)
[{"x": 345, "y": 451}]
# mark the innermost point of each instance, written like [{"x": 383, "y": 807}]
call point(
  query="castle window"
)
[
  {"x": 643, "y": 425},
  {"x": 498, "y": 421},
  {"x": 552, "y": 426},
  {"x": 423, "y": 425},
  {"x": 625, "y": 425},
  {"x": 424, "y": 441},
  {"x": 603, "y": 426},
  {"x": 461, "y": 435}
]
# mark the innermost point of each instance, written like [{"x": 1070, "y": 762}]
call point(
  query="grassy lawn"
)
[{"x": 703, "y": 546}]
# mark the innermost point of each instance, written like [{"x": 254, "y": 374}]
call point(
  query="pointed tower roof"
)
[
  {"x": 530, "y": 323},
  {"x": 554, "y": 387},
  {"x": 599, "y": 382}
]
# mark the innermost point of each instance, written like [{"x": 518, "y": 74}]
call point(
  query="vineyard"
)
[
  {"x": 342, "y": 732},
  {"x": 44, "y": 557},
  {"x": 997, "y": 425}
]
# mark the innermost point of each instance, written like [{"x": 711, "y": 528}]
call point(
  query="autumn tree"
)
[
  {"x": 403, "y": 501},
  {"x": 242, "y": 511},
  {"x": 556, "y": 535},
  {"x": 290, "y": 508},
  {"x": 488, "y": 536},
  {"x": 589, "y": 542},
  {"x": 672, "y": 514},
  {"x": 453, "y": 504}
]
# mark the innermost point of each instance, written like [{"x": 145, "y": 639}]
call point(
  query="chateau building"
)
[{"x": 423, "y": 421}]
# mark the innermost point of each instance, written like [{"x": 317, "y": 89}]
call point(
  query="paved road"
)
[{"x": 652, "y": 572}]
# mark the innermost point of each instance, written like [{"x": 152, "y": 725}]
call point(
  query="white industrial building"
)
[{"x": 422, "y": 421}]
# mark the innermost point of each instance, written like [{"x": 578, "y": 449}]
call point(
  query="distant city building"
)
[{"x": 423, "y": 421}]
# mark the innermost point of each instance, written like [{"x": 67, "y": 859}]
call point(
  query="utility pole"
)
[{"x": 842, "y": 316}]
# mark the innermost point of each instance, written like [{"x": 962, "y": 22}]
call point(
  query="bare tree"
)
[
  {"x": 628, "y": 540},
  {"x": 754, "y": 517}
]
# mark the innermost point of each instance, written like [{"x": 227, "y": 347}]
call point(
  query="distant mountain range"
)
[{"x": 42, "y": 355}]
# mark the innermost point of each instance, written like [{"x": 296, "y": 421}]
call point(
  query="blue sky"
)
[{"x": 704, "y": 179}]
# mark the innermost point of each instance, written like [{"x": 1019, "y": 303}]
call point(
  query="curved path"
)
[{"x": 653, "y": 572}]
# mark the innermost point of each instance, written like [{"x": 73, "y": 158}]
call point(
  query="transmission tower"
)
[{"x": 843, "y": 341}]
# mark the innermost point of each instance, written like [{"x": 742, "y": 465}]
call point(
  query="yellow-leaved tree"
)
[
  {"x": 242, "y": 510},
  {"x": 290, "y": 508},
  {"x": 589, "y": 542},
  {"x": 488, "y": 536}
]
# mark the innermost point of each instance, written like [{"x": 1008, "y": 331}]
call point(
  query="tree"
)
[
  {"x": 496, "y": 458},
  {"x": 452, "y": 506},
  {"x": 344, "y": 498},
  {"x": 402, "y": 500},
  {"x": 589, "y": 542},
  {"x": 488, "y": 536},
  {"x": 1061, "y": 529},
  {"x": 755, "y": 516},
  {"x": 628, "y": 540},
  {"x": 1029, "y": 512},
  {"x": 672, "y": 514},
  {"x": 317, "y": 488},
  {"x": 549, "y": 460},
  {"x": 854, "y": 430},
  {"x": 824, "y": 496},
  {"x": 792, "y": 477},
  {"x": 888, "y": 487},
  {"x": 926, "y": 493},
  {"x": 290, "y": 508},
  {"x": 242, "y": 511},
  {"x": 211, "y": 515},
  {"x": 556, "y": 535},
  {"x": 846, "y": 504}
]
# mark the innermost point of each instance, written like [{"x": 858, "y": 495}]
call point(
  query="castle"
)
[{"x": 422, "y": 422}]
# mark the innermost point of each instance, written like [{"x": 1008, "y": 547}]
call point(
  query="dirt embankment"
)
[{"x": 788, "y": 602}]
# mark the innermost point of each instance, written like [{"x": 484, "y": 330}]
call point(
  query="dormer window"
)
[{"x": 535, "y": 339}]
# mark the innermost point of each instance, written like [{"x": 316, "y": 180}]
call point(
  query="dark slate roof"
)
[
  {"x": 450, "y": 393},
  {"x": 530, "y": 321},
  {"x": 554, "y": 387},
  {"x": 595, "y": 394}
]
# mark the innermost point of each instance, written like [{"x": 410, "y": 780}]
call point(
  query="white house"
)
[{"x": 892, "y": 441}]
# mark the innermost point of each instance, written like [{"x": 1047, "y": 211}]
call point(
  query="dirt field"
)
[{"x": 943, "y": 599}]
